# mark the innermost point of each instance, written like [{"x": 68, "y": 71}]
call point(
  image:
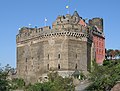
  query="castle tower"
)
[
  {"x": 65, "y": 47},
  {"x": 97, "y": 22},
  {"x": 98, "y": 39}
]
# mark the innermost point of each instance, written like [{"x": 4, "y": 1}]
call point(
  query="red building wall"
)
[
  {"x": 98, "y": 38},
  {"x": 82, "y": 22},
  {"x": 99, "y": 45}
]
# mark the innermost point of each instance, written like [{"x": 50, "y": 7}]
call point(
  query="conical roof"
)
[{"x": 76, "y": 14}]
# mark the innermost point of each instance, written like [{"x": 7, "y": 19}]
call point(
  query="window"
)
[
  {"x": 97, "y": 43},
  {"x": 48, "y": 66},
  {"x": 38, "y": 57},
  {"x": 97, "y": 51},
  {"x": 100, "y": 44},
  {"x": 32, "y": 66},
  {"x": 102, "y": 51},
  {"x": 76, "y": 56},
  {"x": 58, "y": 56},
  {"x": 76, "y": 66},
  {"x": 38, "y": 67},
  {"x": 58, "y": 66},
  {"x": 48, "y": 56},
  {"x": 26, "y": 59}
]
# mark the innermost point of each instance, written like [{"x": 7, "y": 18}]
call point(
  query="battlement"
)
[
  {"x": 29, "y": 30},
  {"x": 26, "y": 32},
  {"x": 26, "y": 36},
  {"x": 69, "y": 23},
  {"x": 63, "y": 23}
]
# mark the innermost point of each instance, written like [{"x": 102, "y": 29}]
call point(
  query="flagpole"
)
[
  {"x": 67, "y": 7},
  {"x": 68, "y": 10}
]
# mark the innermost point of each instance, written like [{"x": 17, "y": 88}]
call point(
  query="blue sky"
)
[{"x": 18, "y": 13}]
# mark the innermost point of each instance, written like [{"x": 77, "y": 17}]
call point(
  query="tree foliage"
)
[
  {"x": 17, "y": 83},
  {"x": 4, "y": 82},
  {"x": 55, "y": 83},
  {"x": 112, "y": 54},
  {"x": 105, "y": 77}
]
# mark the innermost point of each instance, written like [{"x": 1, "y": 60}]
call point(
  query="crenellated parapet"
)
[
  {"x": 69, "y": 25},
  {"x": 46, "y": 36},
  {"x": 67, "y": 21},
  {"x": 64, "y": 25},
  {"x": 28, "y": 33}
]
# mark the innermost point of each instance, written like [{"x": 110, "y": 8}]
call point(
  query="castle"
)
[{"x": 70, "y": 44}]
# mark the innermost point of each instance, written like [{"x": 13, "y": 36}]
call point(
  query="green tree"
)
[
  {"x": 4, "y": 81},
  {"x": 55, "y": 83},
  {"x": 110, "y": 54},
  {"x": 17, "y": 83},
  {"x": 60, "y": 83},
  {"x": 105, "y": 77}
]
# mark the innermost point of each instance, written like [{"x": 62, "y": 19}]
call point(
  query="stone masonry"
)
[{"x": 67, "y": 46}]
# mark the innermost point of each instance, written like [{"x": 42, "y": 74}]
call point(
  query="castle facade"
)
[{"x": 70, "y": 44}]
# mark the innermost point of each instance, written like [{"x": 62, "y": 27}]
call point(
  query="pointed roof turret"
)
[{"x": 76, "y": 14}]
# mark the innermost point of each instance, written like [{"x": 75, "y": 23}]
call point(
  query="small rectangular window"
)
[
  {"x": 48, "y": 66},
  {"x": 58, "y": 66},
  {"x": 76, "y": 66},
  {"x": 48, "y": 56},
  {"x": 76, "y": 56},
  {"x": 26, "y": 59},
  {"x": 58, "y": 56}
]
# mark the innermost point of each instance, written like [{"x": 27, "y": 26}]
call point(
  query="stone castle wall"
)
[
  {"x": 63, "y": 51},
  {"x": 66, "y": 47}
]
